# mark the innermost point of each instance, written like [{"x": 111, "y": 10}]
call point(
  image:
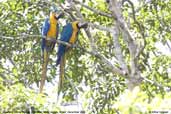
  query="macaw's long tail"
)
[
  {"x": 44, "y": 69},
  {"x": 61, "y": 75},
  {"x": 61, "y": 52}
]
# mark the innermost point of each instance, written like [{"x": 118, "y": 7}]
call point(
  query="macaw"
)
[
  {"x": 69, "y": 34},
  {"x": 50, "y": 33}
]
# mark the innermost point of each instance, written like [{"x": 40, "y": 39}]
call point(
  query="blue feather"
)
[
  {"x": 46, "y": 27},
  {"x": 57, "y": 26},
  {"x": 45, "y": 30},
  {"x": 65, "y": 36},
  {"x": 66, "y": 33}
]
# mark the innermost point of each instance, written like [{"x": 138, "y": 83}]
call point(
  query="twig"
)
[
  {"x": 167, "y": 43},
  {"x": 100, "y": 27},
  {"x": 152, "y": 82},
  {"x": 32, "y": 36},
  {"x": 7, "y": 37},
  {"x": 93, "y": 9},
  {"x": 18, "y": 37}
]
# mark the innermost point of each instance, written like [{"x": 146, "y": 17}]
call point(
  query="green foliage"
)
[
  {"x": 62, "y": 1},
  {"x": 18, "y": 98},
  {"x": 137, "y": 102},
  {"x": 101, "y": 91}
]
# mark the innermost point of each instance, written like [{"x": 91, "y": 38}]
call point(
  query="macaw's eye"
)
[{"x": 57, "y": 16}]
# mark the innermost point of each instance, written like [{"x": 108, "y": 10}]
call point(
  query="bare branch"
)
[
  {"x": 93, "y": 9},
  {"x": 19, "y": 37},
  {"x": 7, "y": 37},
  {"x": 38, "y": 36},
  {"x": 168, "y": 45},
  {"x": 117, "y": 15},
  {"x": 100, "y": 27},
  {"x": 102, "y": 58},
  {"x": 153, "y": 82}
]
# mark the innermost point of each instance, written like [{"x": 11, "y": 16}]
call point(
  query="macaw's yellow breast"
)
[
  {"x": 53, "y": 28},
  {"x": 74, "y": 33}
]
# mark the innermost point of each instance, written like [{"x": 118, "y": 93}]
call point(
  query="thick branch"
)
[
  {"x": 102, "y": 58},
  {"x": 118, "y": 51},
  {"x": 132, "y": 51},
  {"x": 117, "y": 15}
]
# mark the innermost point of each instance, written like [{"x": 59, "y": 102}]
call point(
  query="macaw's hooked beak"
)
[
  {"x": 57, "y": 16},
  {"x": 82, "y": 24}
]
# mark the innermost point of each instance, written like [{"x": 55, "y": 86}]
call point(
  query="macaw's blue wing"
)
[
  {"x": 46, "y": 27},
  {"x": 45, "y": 30},
  {"x": 65, "y": 36},
  {"x": 57, "y": 32}
]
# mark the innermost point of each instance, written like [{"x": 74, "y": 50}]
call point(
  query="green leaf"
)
[{"x": 62, "y": 1}]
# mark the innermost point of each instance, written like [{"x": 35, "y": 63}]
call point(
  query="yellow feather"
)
[
  {"x": 51, "y": 34},
  {"x": 74, "y": 33},
  {"x": 52, "y": 31}
]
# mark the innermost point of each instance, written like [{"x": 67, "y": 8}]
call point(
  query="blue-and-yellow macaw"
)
[
  {"x": 69, "y": 34},
  {"x": 50, "y": 33}
]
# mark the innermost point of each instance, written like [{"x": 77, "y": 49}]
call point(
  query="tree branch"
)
[
  {"x": 95, "y": 51},
  {"x": 132, "y": 50},
  {"x": 153, "y": 82},
  {"x": 141, "y": 29},
  {"x": 32, "y": 36},
  {"x": 118, "y": 51},
  {"x": 100, "y": 27},
  {"x": 117, "y": 15},
  {"x": 93, "y": 9},
  {"x": 167, "y": 43}
]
